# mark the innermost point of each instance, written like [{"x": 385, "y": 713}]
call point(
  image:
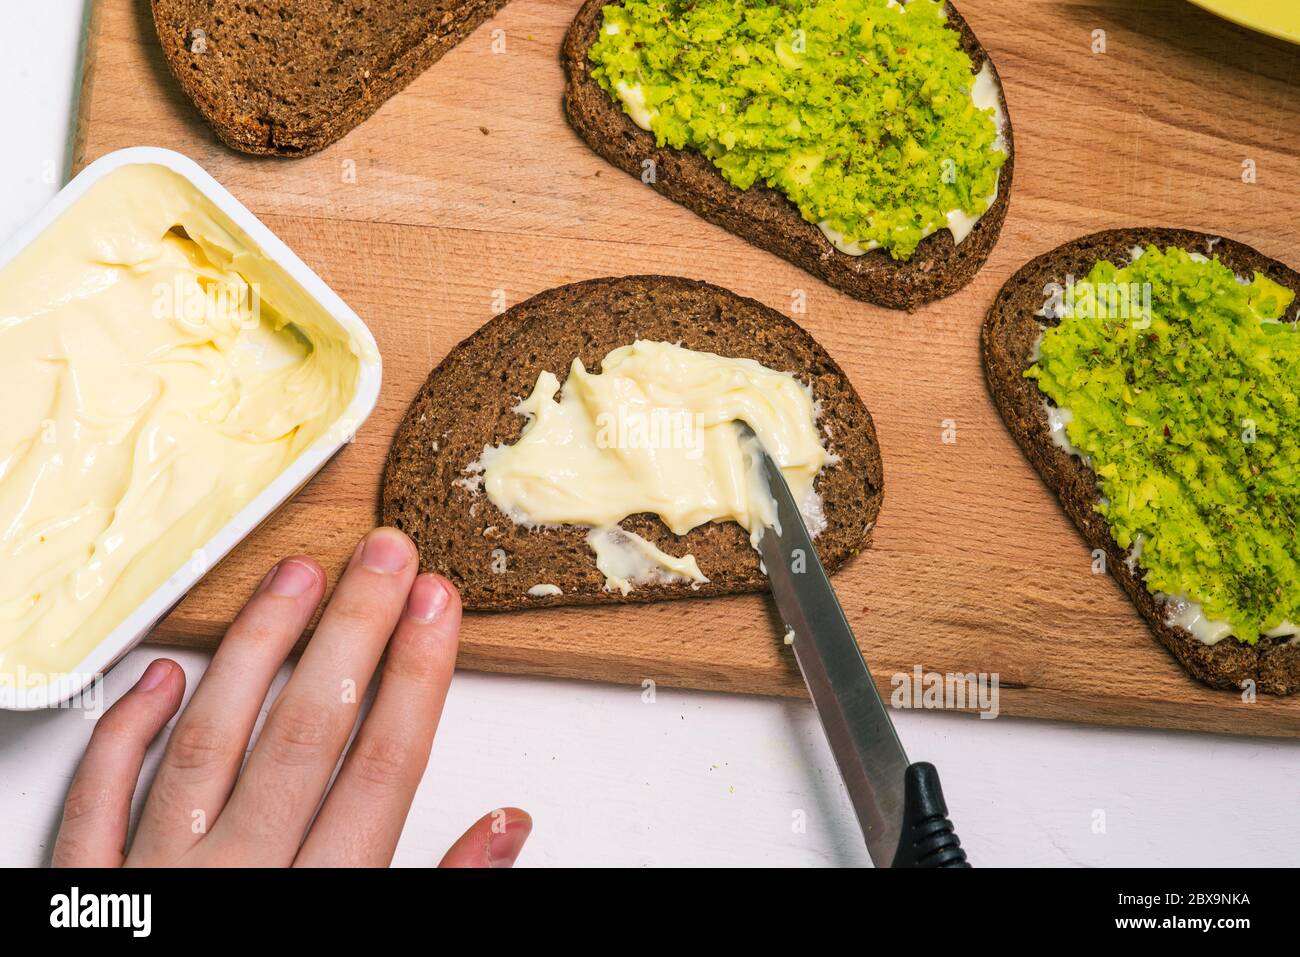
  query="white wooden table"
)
[{"x": 692, "y": 778}]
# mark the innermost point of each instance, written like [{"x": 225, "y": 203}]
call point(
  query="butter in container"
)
[{"x": 170, "y": 374}]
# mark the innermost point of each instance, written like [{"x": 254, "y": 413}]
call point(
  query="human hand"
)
[{"x": 208, "y": 807}]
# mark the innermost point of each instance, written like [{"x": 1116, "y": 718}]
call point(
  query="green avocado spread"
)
[
  {"x": 859, "y": 111},
  {"x": 1181, "y": 383}
]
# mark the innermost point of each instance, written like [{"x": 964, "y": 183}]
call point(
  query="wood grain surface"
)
[{"x": 468, "y": 187}]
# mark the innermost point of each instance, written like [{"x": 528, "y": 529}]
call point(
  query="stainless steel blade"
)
[{"x": 861, "y": 735}]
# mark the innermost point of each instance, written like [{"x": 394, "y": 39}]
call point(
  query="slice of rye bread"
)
[
  {"x": 765, "y": 217},
  {"x": 466, "y": 404},
  {"x": 288, "y": 80},
  {"x": 1009, "y": 336}
]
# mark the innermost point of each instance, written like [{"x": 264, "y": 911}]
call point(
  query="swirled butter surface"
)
[
  {"x": 655, "y": 431},
  {"x": 157, "y": 372}
]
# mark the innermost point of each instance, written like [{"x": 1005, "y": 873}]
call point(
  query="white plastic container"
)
[{"x": 131, "y": 631}]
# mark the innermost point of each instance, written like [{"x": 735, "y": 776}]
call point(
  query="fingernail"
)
[
  {"x": 292, "y": 579},
  {"x": 265, "y": 583},
  {"x": 386, "y": 550},
  {"x": 504, "y": 847},
  {"x": 427, "y": 599},
  {"x": 154, "y": 675}
]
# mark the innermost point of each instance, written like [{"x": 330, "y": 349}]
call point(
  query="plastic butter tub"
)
[{"x": 171, "y": 375}]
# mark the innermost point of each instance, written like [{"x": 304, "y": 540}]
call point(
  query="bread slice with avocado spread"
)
[
  {"x": 289, "y": 79},
  {"x": 1152, "y": 377},
  {"x": 434, "y": 486},
  {"x": 855, "y": 138}
]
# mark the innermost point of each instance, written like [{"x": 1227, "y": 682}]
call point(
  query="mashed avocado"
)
[
  {"x": 1187, "y": 407},
  {"x": 859, "y": 111}
]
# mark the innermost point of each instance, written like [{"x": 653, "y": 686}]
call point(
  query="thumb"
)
[{"x": 494, "y": 840}]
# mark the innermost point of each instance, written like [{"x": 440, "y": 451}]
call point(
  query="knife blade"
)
[{"x": 887, "y": 793}]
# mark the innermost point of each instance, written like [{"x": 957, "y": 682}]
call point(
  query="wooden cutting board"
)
[{"x": 469, "y": 186}]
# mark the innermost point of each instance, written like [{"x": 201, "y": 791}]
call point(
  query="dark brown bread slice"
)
[
  {"x": 1009, "y": 334},
  {"x": 763, "y": 216},
  {"x": 466, "y": 403},
  {"x": 288, "y": 79}
]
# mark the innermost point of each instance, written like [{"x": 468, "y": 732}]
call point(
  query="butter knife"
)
[{"x": 899, "y": 805}]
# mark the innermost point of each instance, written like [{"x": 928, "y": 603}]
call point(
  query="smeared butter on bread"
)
[
  {"x": 468, "y": 403},
  {"x": 655, "y": 431}
]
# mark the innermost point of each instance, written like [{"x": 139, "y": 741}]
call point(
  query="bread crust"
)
[
  {"x": 231, "y": 77},
  {"x": 466, "y": 404},
  {"x": 765, "y": 217},
  {"x": 1008, "y": 337}
]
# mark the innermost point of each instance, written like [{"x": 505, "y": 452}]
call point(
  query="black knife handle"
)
[{"x": 928, "y": 839}]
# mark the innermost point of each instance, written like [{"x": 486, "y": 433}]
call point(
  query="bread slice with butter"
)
[
  {"x": 938, "y": 267},
  {"x": 432, "y": 491},
  {"x": 288, "y": 80},
  {"x": 1011, "y": 339}
]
